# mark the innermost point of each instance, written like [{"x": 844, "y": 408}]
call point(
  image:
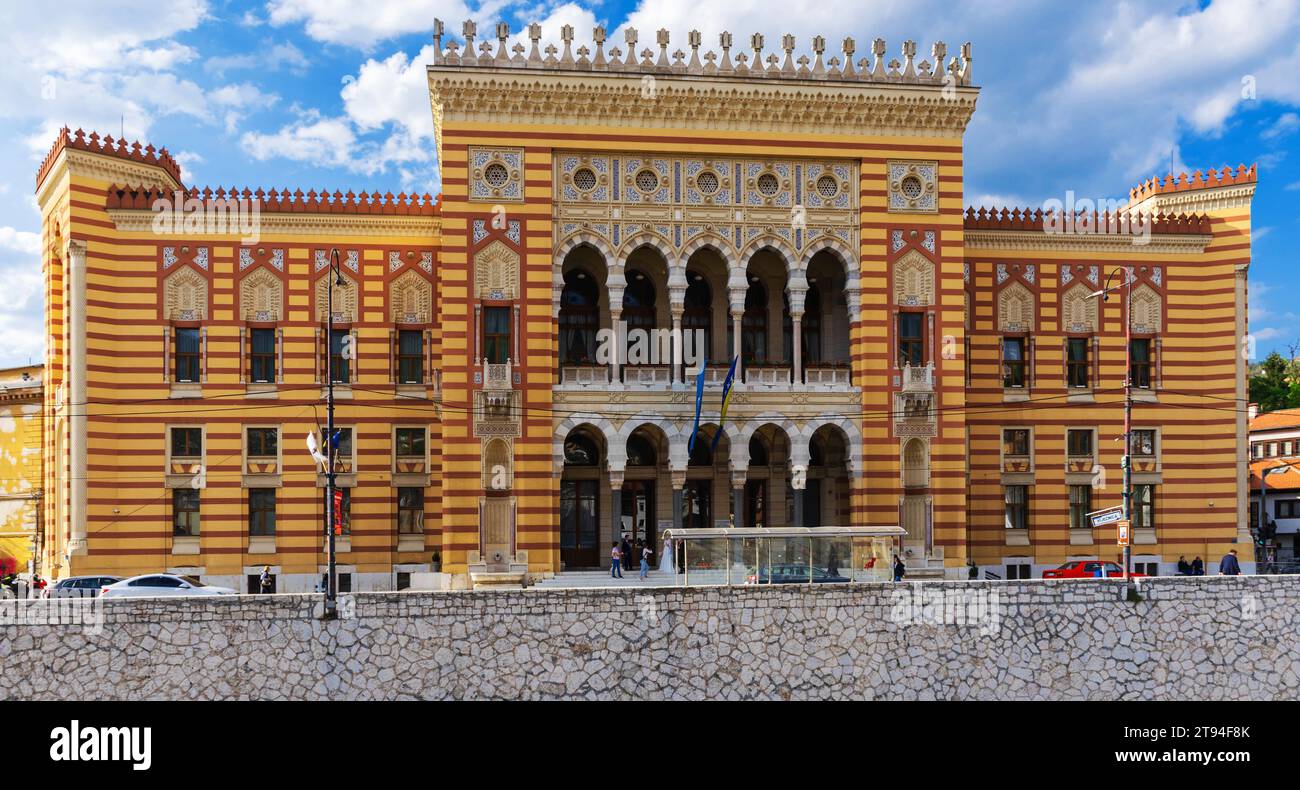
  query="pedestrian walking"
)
[
  {"x": 625, "y": 552},
  {"x": 265, "y": 583},
  {"x": 614, "y": 555},
  {"x": 645, "y": 560},
  {"x": 899, "y": 568},
  {"x": 1228, "y": 566}
]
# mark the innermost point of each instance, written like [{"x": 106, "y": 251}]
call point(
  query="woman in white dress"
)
[{"x": 666, "y": 557}]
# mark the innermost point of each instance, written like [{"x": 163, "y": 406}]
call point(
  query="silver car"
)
[
  {"x": 80, "y": 586},
  {"x": 153, "y": 585}
]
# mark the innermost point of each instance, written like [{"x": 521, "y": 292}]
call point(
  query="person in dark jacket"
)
[
  {"x": 1184, "y": 567},
  {"x": 899, "y": 568},
  {"x": 1198, "y": 567},
  {"x": 1228, "y": 566}
]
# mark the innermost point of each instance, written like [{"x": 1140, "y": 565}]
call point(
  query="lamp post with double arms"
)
[
  {"x": 1104, "y": 293},
  {"x": 331, "y": 583}
]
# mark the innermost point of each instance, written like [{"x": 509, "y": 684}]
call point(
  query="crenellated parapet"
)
[
  {"x": 106, "y": 145},
  {"x": 878, "y": 68},
  {"x": 1038, "y": 220},
  {"x": 1183, "y": 182},
  {"x": 281, "y": 201}
]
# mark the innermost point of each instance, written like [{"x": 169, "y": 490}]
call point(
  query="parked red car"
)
[{"x": 1087, "y": 569}]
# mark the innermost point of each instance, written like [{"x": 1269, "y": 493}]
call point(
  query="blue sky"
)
[{"x": 1086, "y": 97}]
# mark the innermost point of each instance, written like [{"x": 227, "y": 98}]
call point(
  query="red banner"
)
[{"x": 338, "y": 511}]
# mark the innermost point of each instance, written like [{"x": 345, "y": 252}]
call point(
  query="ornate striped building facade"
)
[{"x": 901, "y": 359}]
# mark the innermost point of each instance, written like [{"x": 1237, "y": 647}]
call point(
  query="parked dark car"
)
[
  {"x": 80, "y": 586},
  {"x": 792, "y": 574}
]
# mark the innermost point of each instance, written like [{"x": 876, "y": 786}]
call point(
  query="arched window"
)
[
  {"x": 579, "y": 318},
  {"x": 701, "y": 454},
  {"x": 753, "y": 324},
  {"x": 639, "y": 301},
  {"x": 640, "y": 450},
  {"x": 811, "y": 329},
  {"x": 698, "y": 316},
  {"x": 581, "y": 450},
  {"x": 758, "y": 455}
]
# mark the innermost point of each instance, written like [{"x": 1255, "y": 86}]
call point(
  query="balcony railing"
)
[
  {"x": 918, "y": 379},
  {"x": 832, "y": 375},
  {"x": 767, "y": 375},
  {"x": 648, "y": 375},
  {"x": 585, "y": 375}
]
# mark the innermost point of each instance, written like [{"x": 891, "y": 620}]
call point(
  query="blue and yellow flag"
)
[
  {"x": 699, "y": 399},
  {"x": 726, "y": 400}
]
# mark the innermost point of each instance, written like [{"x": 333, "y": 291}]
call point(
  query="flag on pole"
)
[
  {"x": 726, "y": 400},
  {"x": 699, "y": 399}
]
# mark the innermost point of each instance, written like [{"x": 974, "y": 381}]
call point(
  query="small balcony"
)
[
  {"x": 497, "y": 377},
  {"x": 918, "y": 379}
]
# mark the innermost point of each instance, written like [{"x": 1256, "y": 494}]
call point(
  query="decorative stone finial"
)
[
  {"x": 938, "y": 51},
  {"x": 503, "y": 32},
  {"x": 566, "y": 35},
  {"x": 662, "y": 38},
  {"x": 469, "y": 30},
  {"x": 598, "y": 36},
  {"x": 878, "y": 50},
  {"x": 787, "y": 43},
  {"x": 966, "y": 61},
  {"x": 756, "y": 42},
  {"x": 437, "y": 41},
  {"x": 535, "y": 33},
  {"x": 909, "y": 53},
  {"x": 849, "y": 47},
  {"x": 724, "y": 40},
  {"x": 694, "y": 39},
  {"x": 819, "y": 46},
  {"x": 629, "y": 36}
]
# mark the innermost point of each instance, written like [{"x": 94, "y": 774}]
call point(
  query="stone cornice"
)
[
  {"x": 697, "y": 103},
  {"x": 275, "y": 224},
  {"x": 1028, "y": 241},
  {"x": 1200, "y": 201}
]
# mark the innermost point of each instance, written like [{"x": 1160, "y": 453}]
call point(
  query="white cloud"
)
[
  {"x": 20, "y": 241},
  {"x": 270, "y": 56},
  {"x": 324, "y": 142},
  {"x": 1293, "y": 186},
  {"x": 1285, "y": 124},
  {"x": 363, "y": 24}
]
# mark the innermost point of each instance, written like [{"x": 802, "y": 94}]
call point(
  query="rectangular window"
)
[
  {"x": 410, "y": 356},
  {"x": 1144, "y": 442},
  {"x": 1015, "y": 441},
  {"x": 911, "y": 339},
  {"x": 403, "y": 580},
  {"x": 1013, "y": 362},
  {"x": 410, "y": 511},
  {"x": 1019, "y": 570},
  {"x": 1080, "y": 506},
  {"x": 1286, "y": 508},
  {"x": 496, "y": 335},
  {"x": 261, "y": 512},
  {"x": 1140, "y": 368},
  {"x": 344, "y": 449},
  {"x": 185, "y": 512},
  {"x": 340, "y": 367},
  {"x": 1017, "y": 514},
  {"x": 1077, "y": 362},
  {"x": 1257, "y": 450},
  {"x": 187, "y": 442},
  {"x": 1144, "y": 508},
  {"x": 1272, "y": 449},
  {"x": 1079, "y": 442},
  {"x": 261, "y": 357},
  {"x": 263, "y": 442},
  {"x": 187, "y": 355},
  {"x": 410, "y": 442}
]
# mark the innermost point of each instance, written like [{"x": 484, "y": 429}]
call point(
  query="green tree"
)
[{"x": 1273, "y": 384}]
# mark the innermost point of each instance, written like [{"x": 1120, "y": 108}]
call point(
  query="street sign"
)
[
  {"x": 1121, "y": 531},
  {"x": 1110, "y": 515}
]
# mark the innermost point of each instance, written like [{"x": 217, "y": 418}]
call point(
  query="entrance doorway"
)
[
  {"x": 695, "y": 504},
  {"x": 639, "y": 513},
  {"x": 579, "y": 520},
  {"x": 756, "y": 503}
]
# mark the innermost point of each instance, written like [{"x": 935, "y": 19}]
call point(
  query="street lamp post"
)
[
  {"x": 1104, "y": 293},
  {"x": 331, "y": 584}
]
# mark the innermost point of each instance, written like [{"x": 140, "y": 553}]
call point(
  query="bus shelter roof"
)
[{"x": 748, "y": 533}]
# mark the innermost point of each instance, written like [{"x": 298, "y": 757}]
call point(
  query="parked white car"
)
[{"x": 153, "y": 585}]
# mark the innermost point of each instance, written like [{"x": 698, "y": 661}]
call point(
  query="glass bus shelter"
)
[{"x": 783, "y": 555}]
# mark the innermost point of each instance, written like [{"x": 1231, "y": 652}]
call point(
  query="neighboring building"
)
[
  {"x": 902, "y": 360},
  {"x": 1275, "y": 445},
  {"x": 21, "y": 429}
]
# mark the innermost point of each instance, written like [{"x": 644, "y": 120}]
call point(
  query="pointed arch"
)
[
  {"x": 185, "y": 295},
  {"x": 410, "y": 299},
  {"x": 651, "y": 239},
  {"x": 915, "y": 463},
  {"x": 768, "y": 241},
  {"x": 711, "y": 241},
  {"x": 1015, "y": 309},
  {"x": 1144, "y": 312},
  {"x": 579, "y": 239},
  {"x": 345, "y": 298},
  {"x": 496, "y": 272},
  {"x": 498, "y": 459},
  {"x": 615, "y": 452},
  {"x": 914, "y": 280},
  {"x": 1079, "y": 309},
  {"x": 847, "y": 259},
  {"x": 261, "y": 296}
]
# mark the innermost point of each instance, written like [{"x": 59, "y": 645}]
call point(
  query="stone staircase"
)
[{"x": 588, "y": 579}]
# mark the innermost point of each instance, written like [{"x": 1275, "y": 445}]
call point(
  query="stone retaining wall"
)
[{"x": 1201, "y": 638}]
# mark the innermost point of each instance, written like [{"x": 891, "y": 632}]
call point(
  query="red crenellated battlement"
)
[
  {"x": 120, "y": 148},
  {"x": 282, "y": 201},
  {"x": 1197, "y": 180},
  {"x": 1038, "y": 220}
]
